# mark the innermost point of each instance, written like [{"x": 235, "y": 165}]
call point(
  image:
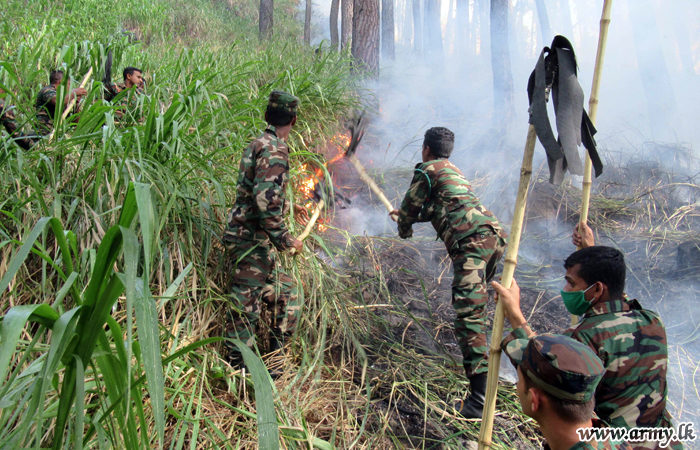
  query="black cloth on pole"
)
[{"x": 556, "y": 69}]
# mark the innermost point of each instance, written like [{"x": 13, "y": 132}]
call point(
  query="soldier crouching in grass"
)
[
  {"x": 475, "y": 241},
  {"x": 255, "y": 225},
  {"x": 46, "y": 101}
]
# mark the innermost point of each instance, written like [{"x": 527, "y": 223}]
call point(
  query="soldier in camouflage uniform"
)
[
  {"x": 133, "y": 80},
  {"x": 475, "y": 241},
  {"x": 255, "y": 225},
  {"x": 8, "y": 120},
  {"x": 46, "y": 101},
  {"x": 557, "y": 379},
  {"x": 630, "y": 340}
]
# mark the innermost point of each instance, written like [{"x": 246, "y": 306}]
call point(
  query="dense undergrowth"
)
[{"x": 113, "y": 275}]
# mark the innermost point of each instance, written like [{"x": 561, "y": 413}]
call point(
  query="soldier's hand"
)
[
  {"x": 301, "y": 214},
  {"x": 394, "y": 215},
  {"x": 583, "y": 238},
  {"x": 510, "y": 299},
  {"x": 298, "y": 246},
  {"x": 80, "y": 92}
]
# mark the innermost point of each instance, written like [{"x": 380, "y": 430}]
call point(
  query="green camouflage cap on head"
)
[
  {"x": 557, "y": 364},
  {"x": 283, "y": 101}
]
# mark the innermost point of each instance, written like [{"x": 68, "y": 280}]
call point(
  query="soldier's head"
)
[
  {"x": 599, "y": 271},
  {"x": 133, "y": 77},
  {"x": 56, "y": 77},
  {"x": 438, "y": 143},
  {"x": 557, "y": 377},
  {"x": 281, "y": 109}
]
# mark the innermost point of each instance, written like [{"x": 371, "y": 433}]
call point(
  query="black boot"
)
[{"x": 473, "y": 406}]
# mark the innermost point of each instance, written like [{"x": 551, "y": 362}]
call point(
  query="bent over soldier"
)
[
  {"x": 46, "y": 101},
  {"x": 255, "y": 226},
  {"x": 475, "y": 241}
]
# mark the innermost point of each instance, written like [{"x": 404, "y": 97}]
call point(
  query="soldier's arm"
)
[
  {"x": 410, "y": 211},
  {"x": 271, "y": 170}
]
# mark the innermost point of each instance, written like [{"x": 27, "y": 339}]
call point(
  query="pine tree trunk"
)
[
  {"x": 346, "y": 29},
  {"x": 334, "y": 24},
  {"x": 265, "y": 21},
  {"x": 388, "y": 29},
  {"x": 307, "y": 23},
  {"x": 566, "y": 19},
  {"x": 500, "y": 64},
  {"x": 544, "y": 22},
  {"x": 433, "y": 34},
  {"x": 417, "y": 29},
  {"x": 658, "y": 90},
  {"x": 365, "y": 35}
]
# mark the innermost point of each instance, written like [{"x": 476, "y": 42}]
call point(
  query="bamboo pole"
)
[
  {"x": 372, "y": 185},
  {"x": 309, "y": 226},
  {"x": 486, "y": 430},
  {"x": 66, "y": 112},
  {"x": 592, "y": 114}
]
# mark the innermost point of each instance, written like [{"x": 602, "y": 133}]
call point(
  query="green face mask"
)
[{"x": 575, "y": 301}]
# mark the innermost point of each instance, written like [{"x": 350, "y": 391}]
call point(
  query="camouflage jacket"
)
[
  {"x": 112, "y": 90},
  {"x": 259, "y": 210},
  {"x": 45, "y": 111},
  {"x": 7, "y": 118},
  {"x": 440, "y": 194},
  {"x": 607, "y": 445},
  {"x": 631, "y": 342}
]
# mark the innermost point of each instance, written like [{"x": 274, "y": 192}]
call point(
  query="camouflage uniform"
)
[
  {"x": 563, "y": 368},
  {"x": 129, "y": 100},
  {"x": 8, "y": 120},
  {"x": 255, "y": 224},
  {"x": 45, "y": 111},
  {"x": 631, "y": 341},
  {"x": 475, "y": 241}
]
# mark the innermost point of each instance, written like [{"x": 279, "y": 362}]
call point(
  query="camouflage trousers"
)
[
  {"x": 257, "y": 281},
  {"x": 475, "y": 263}
]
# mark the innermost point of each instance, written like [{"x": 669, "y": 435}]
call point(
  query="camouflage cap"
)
[
  {"x": 559, "y": 365},
  {"x": 283, "y": 101}
]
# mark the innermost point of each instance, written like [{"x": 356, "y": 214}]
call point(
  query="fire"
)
[{"x": 307, "y": 184}]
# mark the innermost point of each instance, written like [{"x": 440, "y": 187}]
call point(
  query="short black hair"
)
[
  {"x": 567, "y": 411},
  {"x": 130, "y": 71},
  {"x": 279, "y": 118},
  {"x": 56, "y": 76},
  {"x": 440, "y": 140},
  {"x": 600, "y": 263}
]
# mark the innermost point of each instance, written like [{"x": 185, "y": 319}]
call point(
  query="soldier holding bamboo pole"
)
[
  {"x": 46, "y": 101},
  {"x": 629, "y": 339},
  {"x": 475, "y": 241},
  {"x": 256, "y": 225}
]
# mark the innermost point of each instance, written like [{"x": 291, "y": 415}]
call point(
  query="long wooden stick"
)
[
  {"x": 66, "y": 112},
  {"x": 593, "y": 113},
  {"x": 593, "y": 105},
  {"x": 486, "y": 430},
  {"x": 372, "y": 185},
  {"x": 309, "y": 226}
]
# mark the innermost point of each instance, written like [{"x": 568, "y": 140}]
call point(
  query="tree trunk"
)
[
  {"x": 307, "y": 23},
  {"x": 462, "y": 34},
  {"x": 567, "y": 24},
  {"x": 544, "y": 22},
  {"x": 334, "y": 24},
  {"x": 500, "y": 64},
  {"x": 417, "y": 29},
  {"x": 653, "y": 71},
  {"x": 265, "y": 21},
  {"x": 365, "y": 35},
  {"x": 407, "y": 23},
  {"x": 346, "y": 30},
  {"x": 433, "y": 34},
  {"x": 388, "y": 29}
]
